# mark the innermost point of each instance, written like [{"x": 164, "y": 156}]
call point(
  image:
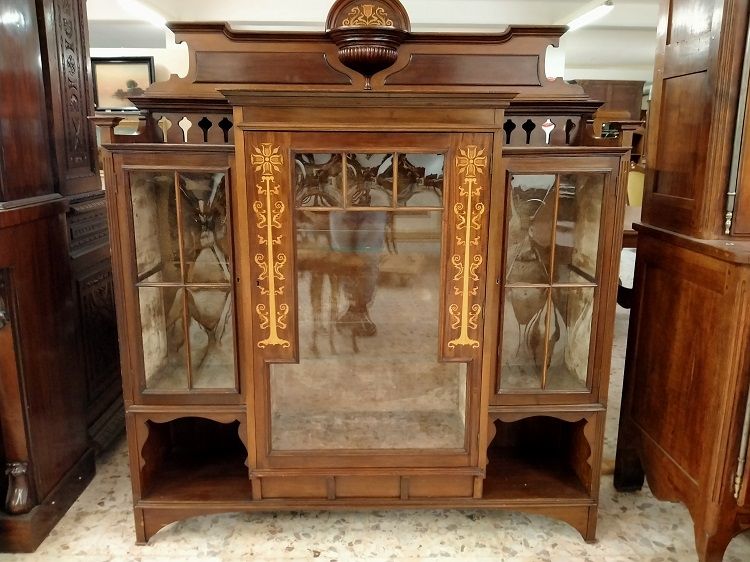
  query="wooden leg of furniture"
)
[
  {"x": 155, "y": 519},
  {"x": 629, "y": 477},
  {"x": 590, "y": 535},
  {"x": 625, "y": 297},
  {"x": 629, "y": 474},
  {"x": 151, "y": 520},
  {"x": 711, "y": 548},
  {"x": 582, "y": 518},
  {"x": 24, "y": 533},
  {"x": 141, "y": 537}
]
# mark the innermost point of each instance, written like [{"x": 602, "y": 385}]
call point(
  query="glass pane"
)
[
  {"x": 570, "y": 338},
  {"x": 370, "y": 180},
  {"x": 211, "y": 331},
  {"x": 530, "y": 225},
  {"x": 319, "y": 180},
  {"x": 207, "y": 247},
  {"x": 524, "y": 335},
  {"x": 578, "y": 223},
  {"x": 420, "y": 180},
  {"x": 164, "y": 354},
  {"x": 368, "y": 378},
  {"x": 155, "y": 225}
]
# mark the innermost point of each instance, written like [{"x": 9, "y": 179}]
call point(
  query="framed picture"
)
[{"x": 116, "y": 80}]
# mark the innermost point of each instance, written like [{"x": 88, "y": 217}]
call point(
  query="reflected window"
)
[{"x": 319, "y": 180}]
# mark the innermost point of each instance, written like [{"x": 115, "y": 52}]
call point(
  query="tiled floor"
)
[{"x": 632, "y": 527}]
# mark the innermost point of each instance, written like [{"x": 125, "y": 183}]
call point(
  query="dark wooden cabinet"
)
[
  {"x": 693, "y": 116},
  {"x": 46, "y": 452},
  {"x": 60, "y": 379},
  {"x": 623, "y": 99},
  {"x": 70, "y": 98},
  {"x": 346, "y": 280},
  {"x": 685, "y": 416},
  {"x": 688, "y": 341}
]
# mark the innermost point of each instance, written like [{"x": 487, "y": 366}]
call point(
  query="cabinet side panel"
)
[
  {"x": 679, "y": 346},
  {"x": 52, "y": 380}
]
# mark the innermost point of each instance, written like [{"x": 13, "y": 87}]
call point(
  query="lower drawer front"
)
[{"x": 367, "y": 487}]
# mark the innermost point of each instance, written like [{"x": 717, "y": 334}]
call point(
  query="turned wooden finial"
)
[{"x": 368, "y": 33}]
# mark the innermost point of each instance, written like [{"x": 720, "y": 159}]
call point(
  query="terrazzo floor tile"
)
[{"x": 632, "y": 527}]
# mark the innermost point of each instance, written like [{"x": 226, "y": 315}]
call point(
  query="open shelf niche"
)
[
  {"x": 540, "y": 456},
  {"x": 194, "y": 459}
]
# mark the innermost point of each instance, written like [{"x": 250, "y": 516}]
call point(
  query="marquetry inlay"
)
[
  {"x": 468, "y": 211},
  {"x": 269, "y": 210},
  {"x": 367, "y": 15}
]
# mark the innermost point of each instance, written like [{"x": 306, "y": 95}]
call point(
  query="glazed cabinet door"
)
[
  {"x": 367, "y": 269},
  {"x": 174, "y": 224},
  {"x": 563, "y": 226}
]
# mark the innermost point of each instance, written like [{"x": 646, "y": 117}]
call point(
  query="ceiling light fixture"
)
[
  {"x": 143, "y": 12},
  {"x": 592, "y": 15}
]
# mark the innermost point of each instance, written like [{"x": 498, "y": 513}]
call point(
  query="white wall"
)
[
  {"x": 621, "y": 46},
  {"x": 172, "y": 60}
]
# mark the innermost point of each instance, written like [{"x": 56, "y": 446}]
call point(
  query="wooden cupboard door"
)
[
  {"x": 174, "y": 258},
  {"x": 693, "y": 116},
  {"x": 368, "y": 274},
  {"x": 558, "y": 269},
  {"x": 184, "y": 278}
]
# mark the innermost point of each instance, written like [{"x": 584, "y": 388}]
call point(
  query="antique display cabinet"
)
[{"x": 364, "y": 268}]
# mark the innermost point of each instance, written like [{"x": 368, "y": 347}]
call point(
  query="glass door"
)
[
  {"x": 559, "y": 217},
  {"x": 184, "y": 280},
  {"x": 378, "y": 349}
]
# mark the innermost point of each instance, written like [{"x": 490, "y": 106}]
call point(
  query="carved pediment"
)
[
  {"x": 368, "y": 33},
  {"x": 368, "y": 13}
]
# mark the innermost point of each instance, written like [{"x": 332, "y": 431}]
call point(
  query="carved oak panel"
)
[{"x": 98, "y": 329}]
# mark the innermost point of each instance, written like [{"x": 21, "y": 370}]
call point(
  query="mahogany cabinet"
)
[
  {"x": 59, "y": 381},
  {"x": 346, "y": 280},
  {"x": 688, "y": 341},
  {"x": 685, "y": 418},
  {"x": 45, "y": 451}
]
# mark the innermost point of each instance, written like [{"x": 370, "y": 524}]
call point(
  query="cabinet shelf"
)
[
  {"x": 511, "y": 474},
  {"x": 187, "y": 477},
  {"x": 195, "y": 459},
  {"x": 537, "y": 458}
]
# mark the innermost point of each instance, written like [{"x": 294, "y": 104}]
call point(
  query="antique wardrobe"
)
[
  {"x": 685, "y": 417},
  {"x": 60, "y": 397},
  {"x": 364, "y": 268}
]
